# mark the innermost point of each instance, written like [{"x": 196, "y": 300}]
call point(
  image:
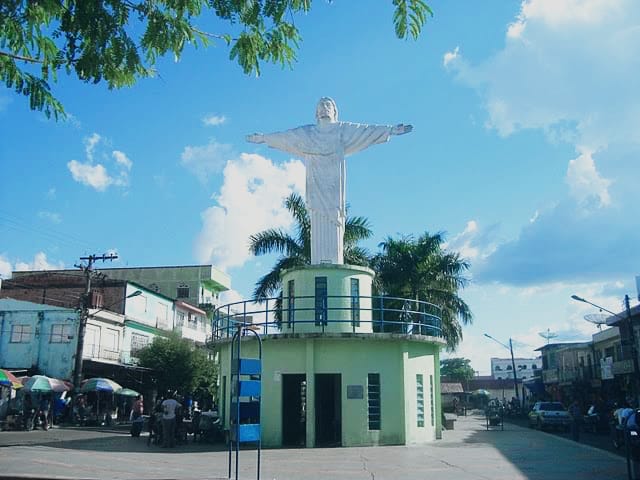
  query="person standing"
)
[
  {"x": 169, "y": 407},
  {"x": 45, "y": 406},
  {"x": 576, "y": 419},
  {"x": 137, "y": 409}
]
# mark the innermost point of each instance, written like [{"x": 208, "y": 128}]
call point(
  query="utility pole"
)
[
  {"x": 515, "y": 376},
  {"x": 85, "y": 301}
]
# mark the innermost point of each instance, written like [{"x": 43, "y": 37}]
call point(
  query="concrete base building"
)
[{"x": 340, "y": 367}]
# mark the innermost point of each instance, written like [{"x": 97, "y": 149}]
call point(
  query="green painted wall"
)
[
  {"x": 418, "y": 363},
  {"x": 394, "y": 357},
  {"x": 339, "y": 307}
]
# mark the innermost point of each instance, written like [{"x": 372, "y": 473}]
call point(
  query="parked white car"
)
[{"x": 549, "y": 414}]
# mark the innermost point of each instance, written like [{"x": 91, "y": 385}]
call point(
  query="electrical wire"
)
[{"x": 16, "y": 223}]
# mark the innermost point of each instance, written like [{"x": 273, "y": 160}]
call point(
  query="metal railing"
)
[
  {"x": 281, "y": 315},
  {"x": 97, "y": 351}
]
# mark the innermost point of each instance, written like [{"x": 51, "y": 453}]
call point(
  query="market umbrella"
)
[
  {"x": 481, "y": 392},
  {"x": 100, "y": 385},
  {"x": 44, "y": 384},
  {"x": 127, "y": 392},
  {"x": 8, "y": 379}
]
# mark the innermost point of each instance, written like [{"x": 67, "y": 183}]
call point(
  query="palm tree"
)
[
  {"x": 421, "y": 270},
  {"x": 296, "y": 250}
]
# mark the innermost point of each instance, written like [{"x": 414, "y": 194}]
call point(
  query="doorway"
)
[
  {"x": 294, "y": 410},
  {"x": 328, "y": 406}
]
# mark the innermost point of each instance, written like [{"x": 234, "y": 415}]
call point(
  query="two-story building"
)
[
  {"x": 123, "y": 317},
  {"x": 567, "y": 370},
  {"x": 626, "y": 365},
  {"x": 37, "y": 338},
  {"x": 197, "y": 285}
]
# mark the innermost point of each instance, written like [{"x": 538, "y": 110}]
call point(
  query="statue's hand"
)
[
  {"x": 401, "y": 129},
  {"x": 255, "y": 138}
]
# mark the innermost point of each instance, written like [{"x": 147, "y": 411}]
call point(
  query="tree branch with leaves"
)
[{"x": 119, "y": 41}]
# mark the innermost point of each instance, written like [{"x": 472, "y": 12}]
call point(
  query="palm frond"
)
[
  {"x": 421, "y": 269},
  {"x": 356, "y": 229},
  {"x": 271, "y": 284},
  {"x": 354, "y": 255},
  {"x": 273, "y": 241}
]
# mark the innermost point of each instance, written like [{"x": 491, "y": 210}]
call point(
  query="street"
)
[
  {"x": 467, "y": 452},
  {"x": 601, "y": 440}
]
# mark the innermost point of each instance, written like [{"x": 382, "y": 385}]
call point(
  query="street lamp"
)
[
  {"x": 513, "y": 365},
  {"x": 630, "y": 340},
  {"x": 84, "y": 317}
]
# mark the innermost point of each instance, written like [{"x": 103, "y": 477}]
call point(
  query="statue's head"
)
[{"x": 327, "y": 110}]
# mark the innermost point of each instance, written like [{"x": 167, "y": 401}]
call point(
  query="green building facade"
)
[{"x": 339, "y": 366}]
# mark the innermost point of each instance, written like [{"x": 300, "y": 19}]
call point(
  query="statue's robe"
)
[{"x": 323, "y": 149}]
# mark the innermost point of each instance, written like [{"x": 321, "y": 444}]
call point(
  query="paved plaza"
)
[{"x": 467, "y": 452}]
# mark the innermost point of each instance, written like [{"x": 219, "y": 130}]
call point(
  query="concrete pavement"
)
[{"x": 467, "y": 452}]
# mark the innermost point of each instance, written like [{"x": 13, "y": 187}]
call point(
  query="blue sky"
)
[{"x": 524, "y": 151}]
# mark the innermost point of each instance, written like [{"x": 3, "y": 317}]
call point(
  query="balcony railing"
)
[
  {"x": 96, "y": 351},
  {"x": 338, "y": 314}
]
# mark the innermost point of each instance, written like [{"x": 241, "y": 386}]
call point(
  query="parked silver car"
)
[{"x": 549, "y": 414}]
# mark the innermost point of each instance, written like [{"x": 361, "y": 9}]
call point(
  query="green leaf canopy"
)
[{"x": 119, "y": 41}]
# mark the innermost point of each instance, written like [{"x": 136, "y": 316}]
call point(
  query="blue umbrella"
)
[{"x": 100, "y": 385}]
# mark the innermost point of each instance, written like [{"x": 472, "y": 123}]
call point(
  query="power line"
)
[{"x": 16, "y": 223}]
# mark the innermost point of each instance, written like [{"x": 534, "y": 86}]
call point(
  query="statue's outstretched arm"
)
[
  {"x": 255, "y": 138},
  {"x": 401, "y": 129}
]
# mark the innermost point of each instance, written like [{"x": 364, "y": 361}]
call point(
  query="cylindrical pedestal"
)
[{"x": 327, "y": 298}]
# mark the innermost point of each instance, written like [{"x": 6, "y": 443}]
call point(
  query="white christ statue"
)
[{"x": 323, "y": 148}]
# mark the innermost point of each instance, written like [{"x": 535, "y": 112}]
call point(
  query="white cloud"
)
[
  {"x": 565, "y": 64},
  {"x": 230, "y": 296},
  {"x": 565, "y": 245},
  {"x": 561, "y": 13},
  {"x": 51, "y": 193},
  {"x": 474, "y": 243},
  {"x": 213, "y": 120},
  {"x": 524, "y": 313},
  {"x": 96, "y": 175},
  {"x": 90, "y": 144},
  {"x": 567, "y": 69},
  {"x": 205, "y": 160},
  {"x": 5, "y": 267},
  {"x": 250, "y": 200},
  {"x": 122, "y": 159},
  {"x": 39, "y": 262},
  {"x": 450, "y": 56},
  {"x": 73, "y": 120},
  {"x": 585, "y": 183},
  {"x": 53, "y": 217}
]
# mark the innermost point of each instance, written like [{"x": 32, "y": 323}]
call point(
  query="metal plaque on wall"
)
[{"x": 355, "y": 391}]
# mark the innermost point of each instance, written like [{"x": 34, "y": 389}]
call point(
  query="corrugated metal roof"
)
[
  {"x": 11, "y": 305},
  {"x": 446, "y": 387}
]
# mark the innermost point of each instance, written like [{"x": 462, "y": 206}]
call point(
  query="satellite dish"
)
[
  {"x": 598, "y": 319},
  {"x": 548, "y": 335}
]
